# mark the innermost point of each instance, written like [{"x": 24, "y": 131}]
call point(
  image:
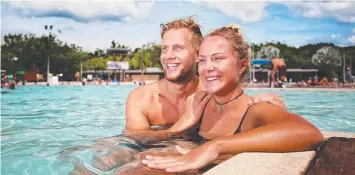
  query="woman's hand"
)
[
  {"x": 194, "y": 108},
  {"x": 189, "y": 160}
]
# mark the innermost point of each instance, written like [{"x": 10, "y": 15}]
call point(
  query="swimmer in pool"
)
[{"x": 229, "y": 123}]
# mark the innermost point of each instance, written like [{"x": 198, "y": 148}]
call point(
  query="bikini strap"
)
[
  {"x": 241, "y": 121},
  {"x": 199, "y": 123}
]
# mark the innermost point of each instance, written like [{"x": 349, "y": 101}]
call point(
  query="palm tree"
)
[{"x": 141, "y": 60}]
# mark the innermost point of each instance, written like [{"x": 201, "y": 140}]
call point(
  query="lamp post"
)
[
  {"x": 81, "y": 71},
  {"x": 251, "y": 66},
  {"x": 48, "y": 28},
  {"x": 14, "y": 59},
  {"x": 253, "y": 60}
]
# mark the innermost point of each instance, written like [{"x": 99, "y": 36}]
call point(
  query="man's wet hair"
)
[{"x": 188, "y": 23}]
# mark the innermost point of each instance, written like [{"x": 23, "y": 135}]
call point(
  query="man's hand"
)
[{"x": 270, "y": 98}]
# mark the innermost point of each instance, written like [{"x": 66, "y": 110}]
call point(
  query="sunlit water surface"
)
[{"x": 38, "y": 122}]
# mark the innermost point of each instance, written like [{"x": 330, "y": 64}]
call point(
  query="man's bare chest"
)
[{"x": 162, "y": 112}]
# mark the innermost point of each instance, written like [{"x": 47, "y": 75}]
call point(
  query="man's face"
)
[{"x": 178, "y": 55}]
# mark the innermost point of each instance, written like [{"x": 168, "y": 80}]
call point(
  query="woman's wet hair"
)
[{"x": 233, "y": 33}]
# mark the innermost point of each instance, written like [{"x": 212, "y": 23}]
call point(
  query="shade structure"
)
[{"x": 261, "y": 61}]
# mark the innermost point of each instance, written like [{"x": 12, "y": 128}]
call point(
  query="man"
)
[{"x": 277, "y": 64}]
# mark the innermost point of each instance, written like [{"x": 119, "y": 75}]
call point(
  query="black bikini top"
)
[{"x": 238, "y": 130}]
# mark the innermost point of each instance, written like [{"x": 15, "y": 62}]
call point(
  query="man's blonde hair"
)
[{"x": 187, "y": 23}]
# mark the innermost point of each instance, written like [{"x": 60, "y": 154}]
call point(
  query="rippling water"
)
[{"x": 38, "y": 122}]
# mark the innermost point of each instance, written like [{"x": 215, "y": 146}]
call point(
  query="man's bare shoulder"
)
[{"x": 143, "y": 93}]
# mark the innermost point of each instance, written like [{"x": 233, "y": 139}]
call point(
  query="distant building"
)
[
  {"x": 150, "y": 74},
  {"x": 294, "y": 74},
  {"x": 118, "y": 51}
]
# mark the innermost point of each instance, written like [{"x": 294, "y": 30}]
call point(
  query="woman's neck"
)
[{"x": 228, "y": 95}]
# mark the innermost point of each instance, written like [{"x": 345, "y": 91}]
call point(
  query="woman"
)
[{"x": 228, "y": 121}]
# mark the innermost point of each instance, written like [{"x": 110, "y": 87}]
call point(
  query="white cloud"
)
[
  {"x": 84, "y": 9},
  {"x": 242, "y": 11},
  {"x": 255, "y": 10},
  {"x": 89, "y": 36},
  {"x": 342, "y": 11},
  {"x": 335, "y": 36},
  {"x": 135, "y": 29},
  {"x": 352, "y": 39}
]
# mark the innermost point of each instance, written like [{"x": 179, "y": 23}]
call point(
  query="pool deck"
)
[{"x": 295, "y": 163}]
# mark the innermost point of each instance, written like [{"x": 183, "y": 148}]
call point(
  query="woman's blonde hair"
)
[{"x": 233, "y": 33}]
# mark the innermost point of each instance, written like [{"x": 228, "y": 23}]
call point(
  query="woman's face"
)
[{"x": 219, "y": 66}]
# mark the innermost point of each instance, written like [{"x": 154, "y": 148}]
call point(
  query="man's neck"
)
[
  {"x": 231, "y": 93},
  {"x": 182, "y": 89}
]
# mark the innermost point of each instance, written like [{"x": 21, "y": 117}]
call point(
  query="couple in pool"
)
[{"x": 226, "y": 119}]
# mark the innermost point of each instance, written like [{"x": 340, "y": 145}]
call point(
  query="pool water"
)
[{"x": 38, "y": 122}]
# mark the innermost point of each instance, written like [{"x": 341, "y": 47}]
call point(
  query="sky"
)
[{"x": 94, "y": 24}]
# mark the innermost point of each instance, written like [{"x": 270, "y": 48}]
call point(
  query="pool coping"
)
[{"x": 293, "y": 163}]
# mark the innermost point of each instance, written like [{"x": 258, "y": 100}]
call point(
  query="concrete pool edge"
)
[{"x": 270, "y": 163}]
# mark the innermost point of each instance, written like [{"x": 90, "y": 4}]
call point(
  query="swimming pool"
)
[{"x": 39, "y": 121}]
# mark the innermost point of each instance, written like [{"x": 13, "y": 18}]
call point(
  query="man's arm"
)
[
  {"x": 137, "y": 122},
  {"x": 136, "y": 118},
  {"x": 273, "y": 72}
]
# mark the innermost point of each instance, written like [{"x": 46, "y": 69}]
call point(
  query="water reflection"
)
[{"x": 122, "y": 154}]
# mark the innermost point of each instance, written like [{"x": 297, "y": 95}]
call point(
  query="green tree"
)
[
  {"x": 141, "y": 60},
  {"x": 113, "y": 44},
  {"x": 33, "y": 51},
  {"x": 328, "y": 60}
]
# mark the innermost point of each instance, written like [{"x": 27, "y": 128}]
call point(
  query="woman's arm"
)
[{"x": 275, "y": 130}]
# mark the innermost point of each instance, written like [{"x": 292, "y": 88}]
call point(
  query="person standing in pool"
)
[{"x": 229, "y": 123}]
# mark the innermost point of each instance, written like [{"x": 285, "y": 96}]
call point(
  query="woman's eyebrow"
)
[{"x": 219, "y": 53}]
